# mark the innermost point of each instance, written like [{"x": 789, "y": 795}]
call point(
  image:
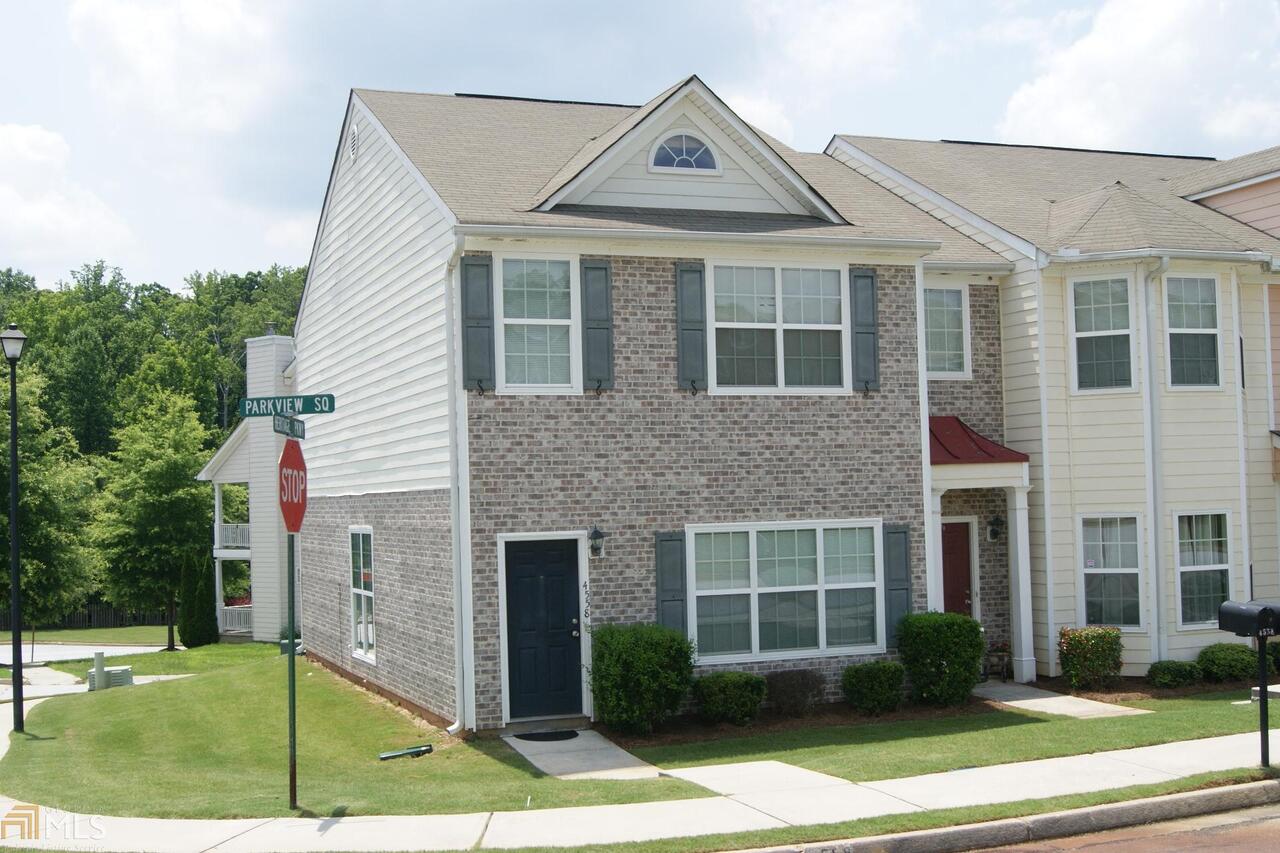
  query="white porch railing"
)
[
  {"x": 233, "y": 536},
  {"x": 235, "y": 620}
]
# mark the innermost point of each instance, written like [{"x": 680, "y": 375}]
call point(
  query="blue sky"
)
[{"x": 183, "y": 135}]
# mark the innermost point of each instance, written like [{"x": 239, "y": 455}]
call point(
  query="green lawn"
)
[
  {"x": 134, "y": 635},
  {"x": 215, "y": 746},
  {"x": 868, "y": 751},
  {"x": 202, "y": 659}
]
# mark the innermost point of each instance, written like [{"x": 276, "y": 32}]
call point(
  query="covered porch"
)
[
  {"x": 231, "y": 540},
  {"x": 978, "y": 525}
]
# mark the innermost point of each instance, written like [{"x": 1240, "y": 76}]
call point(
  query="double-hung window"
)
[
  {"x": 946, "y": 332},
  {"x": 1192, "y": 311},
  {"x": 1102, "y": 333},
  {"x": 779, "y": 327},
  {"x": 1204, "y": 567},
  {"x": 786, "y": 590},
  {"x": 362, "y": 633},
  {"x": 1111, "y": 571},
  {"x": 537, "y": 346}
]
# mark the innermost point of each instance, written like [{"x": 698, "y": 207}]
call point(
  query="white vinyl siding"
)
[
  {"x": 946, "y": 331},
  {"x": 1102, "y": 335},
  {"x": 1191, "y": 306},
  {"x": 362, "y": 631},
  {"x": 763, "y": 591},
  {"x": 780, "y": 328},
  {"x": 1204, "y": 567},
  {"x": 378, "y": 279},
  {"x": 1111, "y": 566}
]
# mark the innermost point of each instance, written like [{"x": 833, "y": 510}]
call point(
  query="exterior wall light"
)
[
  {"x": 995, "y": 528},
  {"x": 596, "y": 538}
]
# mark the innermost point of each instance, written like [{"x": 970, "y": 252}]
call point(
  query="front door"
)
[
  {"x": 957, "y": 568},
  {"x": 544, "y": 649}
]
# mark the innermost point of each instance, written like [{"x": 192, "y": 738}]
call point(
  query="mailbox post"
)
[{"x": 1260, "y": 620}]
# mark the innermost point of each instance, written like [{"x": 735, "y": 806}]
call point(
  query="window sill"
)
[
  {"x": 1194, "y": 389},
  {"x": 742, "y": 391},
  {"x": 967, "y": 376},
  {"x": 371, "y": 660},
  {"x": 798, "y": 654},
  {"x": 1105, "y": 392},
  {"x": 1197, "y": 627},
  {"x": 538, "y": 391}
]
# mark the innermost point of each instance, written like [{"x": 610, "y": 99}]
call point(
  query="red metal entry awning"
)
[{"x": 952, "y": 442}]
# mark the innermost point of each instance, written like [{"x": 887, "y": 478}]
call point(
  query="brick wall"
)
[
  {"x": 993, "y": 557},
  {"x": 648, "y": 457},
  {"x": 412, "y": 585},
  {"x": 978, "y": 402}
]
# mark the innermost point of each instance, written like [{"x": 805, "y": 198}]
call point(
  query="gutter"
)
[
  {"x": 568, "y": 231},
  {"x": 980, "y": 267},
  {"x": 457, "y": 505},
  {"x": 1156, "y": 520},
  {"x": 1249, "y": 257}
]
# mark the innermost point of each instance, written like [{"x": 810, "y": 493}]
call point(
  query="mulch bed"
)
[
  {"x": 689, "y": 729},
  {"x": 1137, "y": 689}
]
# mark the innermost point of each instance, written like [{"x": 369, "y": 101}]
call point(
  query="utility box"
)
[{"x": 1249, "y": 618}]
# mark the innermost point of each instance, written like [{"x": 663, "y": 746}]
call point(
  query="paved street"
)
[
  {"x": 45, "y": 652},
  {"x": 1248, "y": 829}
]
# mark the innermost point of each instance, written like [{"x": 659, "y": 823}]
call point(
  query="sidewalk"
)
[{"x": 751, "y": 795}]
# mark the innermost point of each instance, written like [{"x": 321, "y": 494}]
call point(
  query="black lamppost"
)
[{"x": 12, "y": 339}]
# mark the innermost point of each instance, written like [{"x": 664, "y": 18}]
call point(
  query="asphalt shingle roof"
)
[
  {"x": 1228, "y": 172},
  {"x": 1089, "y": 201}
]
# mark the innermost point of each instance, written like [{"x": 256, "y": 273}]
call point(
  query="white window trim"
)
[
  {"x": 584, "y": 605},
  {"x": 846, "y": 326},
  {"x": 674, "y": 170},
  {"x": 1081, "y": 571},
  {"x": 1178, "y": 570},
  {"x": 575, "y": 326},
  {"x": 360, "y": 654},
  {"x": 967, "y": 372},
  {"x": 691, "y": 603},
  {"x": 1169, "y": 332},
  {"x": 1073, "y": 360}
]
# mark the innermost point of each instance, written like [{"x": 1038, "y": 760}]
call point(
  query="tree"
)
[
  {"x": 57, "y": 566},
  {"x": 198, "y": 611},
  {"x": 153, "y": 518}
]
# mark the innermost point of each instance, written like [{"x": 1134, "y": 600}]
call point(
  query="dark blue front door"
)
[{"x": 544, "y": 652}]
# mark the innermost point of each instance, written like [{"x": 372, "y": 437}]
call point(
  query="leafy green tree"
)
[
  {"x": 57, "y": 566},
  {"x": 153, "y": 518}
]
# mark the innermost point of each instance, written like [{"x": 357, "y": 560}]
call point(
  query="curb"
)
[{"x": 999, "y": 833}]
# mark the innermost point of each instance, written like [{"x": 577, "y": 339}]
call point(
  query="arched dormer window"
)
[{"x": 683, "y": 152}]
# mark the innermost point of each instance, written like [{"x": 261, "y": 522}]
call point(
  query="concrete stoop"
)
[{"x": 1001, "y": 833}]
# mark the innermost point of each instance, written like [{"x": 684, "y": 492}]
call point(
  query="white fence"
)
[
  {"x": 233, "y": 536},
  {"x": 235, "y": 620}
]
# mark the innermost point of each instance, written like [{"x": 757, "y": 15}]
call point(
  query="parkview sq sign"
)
[
  {"x": 293, "y": 485},
  {"x": 299, "y": 404}
]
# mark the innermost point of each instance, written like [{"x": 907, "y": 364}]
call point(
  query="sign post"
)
[{"x": 293, "y": 506}]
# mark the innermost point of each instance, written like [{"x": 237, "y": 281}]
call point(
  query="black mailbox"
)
[{"x": 1249, "y": 618}]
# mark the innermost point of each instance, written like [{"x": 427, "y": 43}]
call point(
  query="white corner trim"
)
[{"x": 1019, "y": 244}]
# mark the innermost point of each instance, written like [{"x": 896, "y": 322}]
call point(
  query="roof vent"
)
[{"x": 353, "y": 142}]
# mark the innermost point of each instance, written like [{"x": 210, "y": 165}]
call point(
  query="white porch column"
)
[
  {"x": 217, "y": 592},
  {"x": 1022, "y": 640},
  {"x": 933, "y": 562},
  {"x": 217, "y": 515}
]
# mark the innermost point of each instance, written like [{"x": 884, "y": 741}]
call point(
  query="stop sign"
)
[{"x": 293, "y": 486}]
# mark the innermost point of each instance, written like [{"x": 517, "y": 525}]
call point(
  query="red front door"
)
[{"x": 957, "y": 566}]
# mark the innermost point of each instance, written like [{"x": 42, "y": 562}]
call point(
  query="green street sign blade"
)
[
  {"x": 288, "y": 426},
  {"x": 299, "y": 404}
]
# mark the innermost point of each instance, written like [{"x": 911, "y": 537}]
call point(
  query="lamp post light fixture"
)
[
  {"x": 596, "y": 538},
  {"x": 13, "y": 340}
]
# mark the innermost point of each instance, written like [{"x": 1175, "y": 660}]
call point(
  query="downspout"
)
[
  {"x": 455, "y": 502},
  {"x": 1154, "y": 492}
]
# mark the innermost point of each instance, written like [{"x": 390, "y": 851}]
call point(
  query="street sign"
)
[
  {"x": 299, "y": 404},
  {"x": 293, "y": 486},
  {"x": 288, "y": 426}
]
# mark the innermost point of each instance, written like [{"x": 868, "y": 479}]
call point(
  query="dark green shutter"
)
[
  {"x": 477, "y": 323},
  {"x": 597, "y": 325},
  {"x": 691, "y": 326},
  {"x": 866, "y": 330},
  {"x": 669, "y": 563},
  {"x": 897, "y": 579}
]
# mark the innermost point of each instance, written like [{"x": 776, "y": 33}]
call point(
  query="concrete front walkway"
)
[
  {"x": 750, "y": 796},
  {"x": 587, "y": 755},
  {"x": 1027, "y": 698}
]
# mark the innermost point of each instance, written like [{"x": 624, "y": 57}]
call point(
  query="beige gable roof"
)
[
  {"x": 489, "y": 158},
  {"x": 1018, "y": 187},
  {"x": 1228, "y": 172}
]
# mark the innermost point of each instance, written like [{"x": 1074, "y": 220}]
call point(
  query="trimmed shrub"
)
[
  {"x": 1174, "y": 673},
  {"x": 729, "y": 697},
  {"x": 1090, "y": 656},
  {"x": 942, "y": 654},
  {"x": 1228, "y": 662},
  {"x": 794, "y": 692},
  {"x": 875, "y": 687},
  {"x": 198, "y": 607},
  {"x": 639, "y": 675}
]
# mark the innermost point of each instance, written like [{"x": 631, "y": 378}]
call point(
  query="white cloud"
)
[
  {"x": 763, "y": 112},
  {"x": 292, "y": 236},
  {"x": 197, "y": 65},
  {"x": 1157, "y": 75},
  {"x": 45, "y": 214}
]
